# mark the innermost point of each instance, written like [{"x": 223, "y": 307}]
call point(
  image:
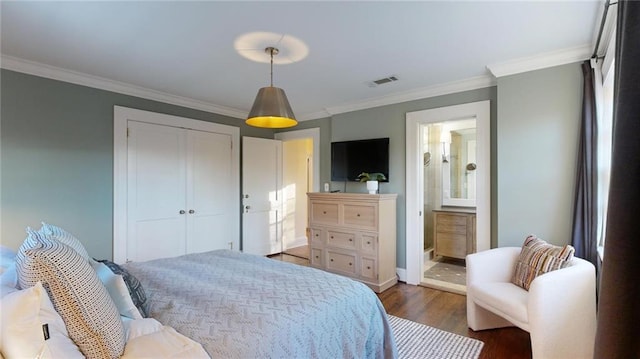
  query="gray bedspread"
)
[{"x": 244, "y": 306}]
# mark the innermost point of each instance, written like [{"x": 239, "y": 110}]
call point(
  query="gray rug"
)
[{"x": 415, "y": 340}]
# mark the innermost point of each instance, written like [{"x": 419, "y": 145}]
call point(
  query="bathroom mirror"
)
[{"x": 459, "y": 163}]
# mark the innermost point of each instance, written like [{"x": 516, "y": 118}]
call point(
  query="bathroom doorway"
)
[{"x": 436, "y": 185}]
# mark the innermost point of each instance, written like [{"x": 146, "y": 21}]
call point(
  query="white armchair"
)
[{"x": 558, "y": 311}]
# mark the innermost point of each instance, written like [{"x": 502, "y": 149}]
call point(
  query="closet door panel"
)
[
  {"x": 156, "y": 195},
  {"x": 209, "y": 200}
]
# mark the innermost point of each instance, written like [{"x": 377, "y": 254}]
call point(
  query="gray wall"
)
[
  {"x": 57, "y": 153},
  {"x": 57, "y": 156},
  {"x": 389, "y": 121},
  {"x": 538, "y": 134}
]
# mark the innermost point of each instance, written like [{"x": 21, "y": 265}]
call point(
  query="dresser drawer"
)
[
  {"x": 316, "y": 235},
  {"x": 368, "y": 268},
  {"x": 451, "y": 245},
  {"x": 368, "y": 243},
  {"x": 341, "y": 239},
  {"x": 451, "y": 223},
  {"x": 326, "y": 213},
  {"x": 360, "y": 215},
  {"x": 316, "y": 257},
  {"x": 341, "y": 262}
]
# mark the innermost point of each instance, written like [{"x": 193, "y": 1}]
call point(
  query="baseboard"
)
[{"x": 402, "y": 274}]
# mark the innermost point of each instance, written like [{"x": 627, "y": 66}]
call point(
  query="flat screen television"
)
[{"x": 350, "y": 158}]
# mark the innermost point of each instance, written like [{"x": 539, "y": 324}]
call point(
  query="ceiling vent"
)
[{"x": 384, "y": 80}]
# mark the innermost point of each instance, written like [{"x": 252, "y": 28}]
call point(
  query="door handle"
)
[
  {"x": 191, "y": 211},
  {"x": 181, "y": 211},
  {"x": 247, "y": 207}
]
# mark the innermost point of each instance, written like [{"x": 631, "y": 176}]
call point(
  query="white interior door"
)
[
  {"x": 261, "y": 199},
  {"x": 208, "y": 197},
  {"x": 155, "y": 208}
]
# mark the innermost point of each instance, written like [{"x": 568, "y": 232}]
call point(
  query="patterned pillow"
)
[
  {"x": 77, "y": 294},
  {"x": 133, "y": 284},
  {"x": 65, "y": 237},
  {"x": 538, "y": 257}
]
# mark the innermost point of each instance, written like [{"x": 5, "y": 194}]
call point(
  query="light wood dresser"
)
[
  {"x": 454, "y": 232},
  {"x": 354, "y": 234}
]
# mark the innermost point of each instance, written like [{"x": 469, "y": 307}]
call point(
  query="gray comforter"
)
[{"x": 244, "y": 306}]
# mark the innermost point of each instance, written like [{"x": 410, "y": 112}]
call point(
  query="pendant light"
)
[{"x": 271, "y": 108}]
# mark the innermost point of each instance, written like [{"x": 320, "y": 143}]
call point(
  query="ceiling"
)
[{"x": 183, "y": 52}]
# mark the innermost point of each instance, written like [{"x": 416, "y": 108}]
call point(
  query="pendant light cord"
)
[{"x": 271, "y": 52}]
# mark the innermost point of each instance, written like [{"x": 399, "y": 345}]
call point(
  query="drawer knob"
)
[
  {"x": 317, "y": 257},
  {"x": 332, "y": 259},
  {"x": 368, "y": 242},
  {"x": 358, "y": 214},
  {"x": 350, "y": 239},
  {"x": 316, "y": 234},
  {"x": 368, "y": 267},
  {"x": 349, "y": 263},
  {"x": 324, "y": 212},
  {"x": 331, "y": 237}
]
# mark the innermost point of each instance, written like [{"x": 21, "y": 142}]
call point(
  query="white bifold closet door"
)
[{"x": 178, "y": 191}]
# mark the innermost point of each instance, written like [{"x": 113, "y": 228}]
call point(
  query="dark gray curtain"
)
[
  {"x": 584, "y": 236},
  {"x": 619, "y": 305}
]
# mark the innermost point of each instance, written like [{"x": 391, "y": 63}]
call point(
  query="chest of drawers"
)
[
  {"x": 454, "y": 233},
  {"x": 354, "y": 234}
]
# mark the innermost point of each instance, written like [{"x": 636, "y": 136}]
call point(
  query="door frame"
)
[
  {"x": 314, "y": 134},
  {"x": 415, "y": 183},
  {"x": 121, "y": 116}
]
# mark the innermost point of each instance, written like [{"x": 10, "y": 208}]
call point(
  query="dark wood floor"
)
[{"x": 446, "y": 311}]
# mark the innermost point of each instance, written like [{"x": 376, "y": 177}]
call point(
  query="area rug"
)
[{"x": 415, "y": 340}]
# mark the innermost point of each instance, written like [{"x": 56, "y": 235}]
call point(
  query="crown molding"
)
[
  {"x": 472, "y": 83},
  {"x": 79, "y": 78},
  {"x": 541, "y": 61}
]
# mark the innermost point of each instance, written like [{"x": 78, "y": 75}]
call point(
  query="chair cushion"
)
[
  {"x": 505, "y": 299},
  {"x": 539, "y": 257}
]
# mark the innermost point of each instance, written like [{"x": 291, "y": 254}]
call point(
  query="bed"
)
[{"x": 244, "y": 306}]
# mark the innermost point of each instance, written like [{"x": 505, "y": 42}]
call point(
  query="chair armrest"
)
[
  {"x": 494, "y": 265},
  {"x": 562, "y": 305},
  {"x": 574, "y": 285}
]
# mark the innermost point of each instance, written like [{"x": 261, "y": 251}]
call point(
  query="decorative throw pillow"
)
[
  {"x": 77, "y": 294},
  {"x": 133, "y": 284},
  {"x": 118, "y": 290},
  {"x": 31, "y": 327},
  {"x": 65, "y": 237},
  {"x": 539, "y": 257}
]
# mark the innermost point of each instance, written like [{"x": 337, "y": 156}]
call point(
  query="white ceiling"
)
[{"x": 183, "y": 52}]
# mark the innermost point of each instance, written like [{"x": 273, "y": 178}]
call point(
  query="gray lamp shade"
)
[{"x": 271, "y": 109}]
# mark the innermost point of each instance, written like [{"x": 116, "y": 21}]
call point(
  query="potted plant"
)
[{"x": 372, "y": 180}]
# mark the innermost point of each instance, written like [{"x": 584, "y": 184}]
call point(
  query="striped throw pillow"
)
[
  {"x": 539, "y": 257},
  {"x": 91, "y": 317}
]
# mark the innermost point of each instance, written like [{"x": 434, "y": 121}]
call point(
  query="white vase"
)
[{"x": 372, "y": 186}]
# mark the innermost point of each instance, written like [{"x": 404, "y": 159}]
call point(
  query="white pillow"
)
[
  {"x": 65, "y": 237},
  {"x": 8, "y": 281},
  {"x": 117, "y": 289},
  {"x": 7, "y": 258},
  {"x": 163, "y": 343},
  {"x": 24, "y": 313},
  {"x": 139, "y": 327}
]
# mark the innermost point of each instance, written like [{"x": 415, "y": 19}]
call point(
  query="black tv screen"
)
[{"x": 350, "y": 158}]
